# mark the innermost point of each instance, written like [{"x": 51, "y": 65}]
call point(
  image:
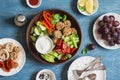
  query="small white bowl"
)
[
  {"x": 43, "y": 42},
  {"x": 49, "y": 72},
  {"x": 34, "y": 6},
  {"x": 87, "y": 14}
]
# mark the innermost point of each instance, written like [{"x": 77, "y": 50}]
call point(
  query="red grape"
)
[
  {"x": 111, "y": 43},
  {"x": 112, "y": 18},
  {"x": 101, "y": 23},
  {"x": 91, "y": 46},
  {"x": 118, "y": 30},
  {"x": 115, "y": 23},
  {"x": 106, "y": 18},
  {"x": 109, "y": 25},
  {"x": 115, "y": 34},
  {"x": 105, "y": 30},
  {"x": 118, "y": 41}
]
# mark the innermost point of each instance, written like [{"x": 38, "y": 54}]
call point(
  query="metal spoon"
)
[{"x": 78, "y": 73}]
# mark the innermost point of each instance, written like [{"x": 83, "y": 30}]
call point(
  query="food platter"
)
[
  {"x": 21, "y": 60},
  {"x": 97, "y": 36},
  {"x": 80, "y": 64},
  {"x": 39, "y": 17}
]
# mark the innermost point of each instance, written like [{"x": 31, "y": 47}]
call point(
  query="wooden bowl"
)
[{"x": 32, "y": 49}]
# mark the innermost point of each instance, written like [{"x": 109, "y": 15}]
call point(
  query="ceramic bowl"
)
[{"x": 32, "y": 48}]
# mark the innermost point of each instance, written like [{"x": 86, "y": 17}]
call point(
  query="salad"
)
[{"x": 57, "y": 29}]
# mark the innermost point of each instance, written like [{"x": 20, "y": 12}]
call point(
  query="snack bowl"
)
[
  {"x": 83, "y": 11},
  {"x": 34, "y": 4},
  {"x": 45, "y": 73},
  {"x": 31, "y": 46}
]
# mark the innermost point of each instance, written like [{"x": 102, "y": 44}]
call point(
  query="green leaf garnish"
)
[
  {"x": 84, "y": 51},
  {"x": 82, "y": 8}
]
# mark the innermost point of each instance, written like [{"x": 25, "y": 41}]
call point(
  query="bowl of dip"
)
[
  {"x": 33, "y": 3},
  {"x": 44, "y": 45}
]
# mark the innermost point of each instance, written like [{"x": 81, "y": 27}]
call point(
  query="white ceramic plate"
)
[
  {"x": 85, "y": 13},
  {"x": 21, "y": 60},
  {"x": 80, "y": 64},
  {"x": 97, "y": 36},
  {"x": 47, "y": 71}
]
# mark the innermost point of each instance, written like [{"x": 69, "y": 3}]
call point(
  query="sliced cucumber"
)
[
  {"x": 36, "y": 31},
  {"x": 68, "y": 56},
  {"x": 42, "y": 28},
  {"x": 34, "y": 34},
  {"x": 33, "y": 38},
  {"x": 32, "y": 30},
  {"x": 59, "y": 56},
  {"x": 42, "y": 34}
]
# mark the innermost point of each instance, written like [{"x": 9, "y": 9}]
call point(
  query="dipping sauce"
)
[
  {"x": 33, "y": 2},
  {"x": 44, "y": 45}
]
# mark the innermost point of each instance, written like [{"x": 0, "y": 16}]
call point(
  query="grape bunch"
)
[{"x": 109, "y": 30}]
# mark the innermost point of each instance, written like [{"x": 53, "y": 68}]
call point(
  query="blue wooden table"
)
[{"x": 10, "y": 8}]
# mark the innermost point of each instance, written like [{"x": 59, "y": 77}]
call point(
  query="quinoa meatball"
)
[
  {"x": 67, "y": 23},
  {"x": 59, "y": 25},
  {"x": 67, "y": 31},
  {"x": 74, "y": 30},
  {"x": 57, "y": 34}
]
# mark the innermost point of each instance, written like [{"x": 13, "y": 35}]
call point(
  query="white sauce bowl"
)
[{"x": 44, "y": 45}]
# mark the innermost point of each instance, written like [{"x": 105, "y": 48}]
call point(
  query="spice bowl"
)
[
  {"x": 45, "y": 74},
  {"x": 33, "y": 3}
]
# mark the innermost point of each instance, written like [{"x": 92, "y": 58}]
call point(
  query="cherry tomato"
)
[{"x": 9, "y": 63}]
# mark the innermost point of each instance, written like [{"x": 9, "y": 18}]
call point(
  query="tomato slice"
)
[
  {"x": 68, "y": 50},
  {"x": 58, "y": 51},
  {"x": 9, "y": 63},
  {"x": 65, "y": 48},
  {"x": 1, "y": 64},
  {"x": 72, "y": 50},
  {"x": 59, "y": 43},
  {"x": 5, "y": 68},
  {"x": 63, "y": 58}
]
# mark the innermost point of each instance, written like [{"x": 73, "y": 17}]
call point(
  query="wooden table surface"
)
[{"x": 10, "y": 8}]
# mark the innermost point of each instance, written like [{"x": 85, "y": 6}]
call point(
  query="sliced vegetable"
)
[
  {"x": 33, "y": 38},
  {"x": 54, "y": 21},
  {"x": 37, "y": 32},
  {"x": 60, "y": 56},
  {"x": 64, "y": 17},
  {"x": 71, "y": 40},
  {"x": 48, "y": 57},
  {"x": 48, "y": 19},
  {"x": 68, "y": 56},
  {"x": 57, "y": 17},
  {"x": 53, "y": 53},
  {"x": 32, "y": 30}
]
